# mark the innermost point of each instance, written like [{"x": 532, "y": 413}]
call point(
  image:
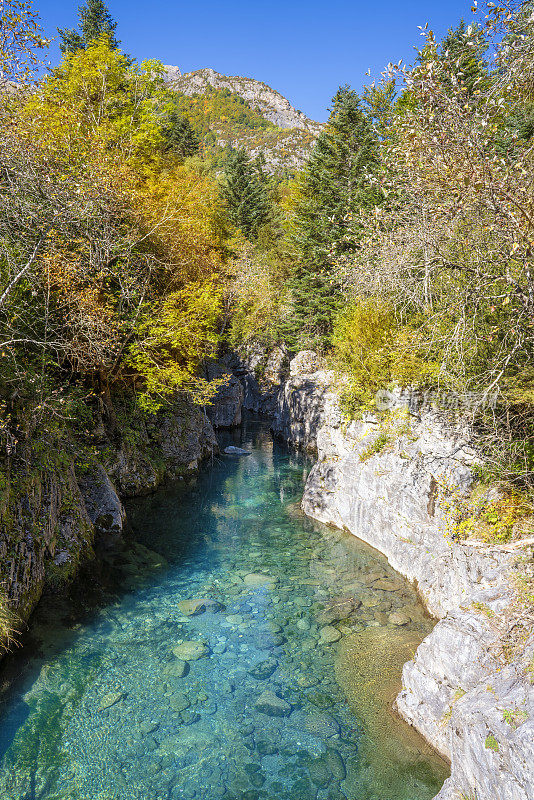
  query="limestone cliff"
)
[{"x": 470, "y": 695}]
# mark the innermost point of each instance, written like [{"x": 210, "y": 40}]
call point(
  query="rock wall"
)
[
  {"x": 391, "y": 487},
  {"x": 57, "y": 500}
]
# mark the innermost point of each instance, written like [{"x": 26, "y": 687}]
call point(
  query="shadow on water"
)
[{"x": 279, "y": 684}]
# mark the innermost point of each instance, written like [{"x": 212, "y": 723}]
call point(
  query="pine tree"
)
[
  {"x": 95, "y": 20},
  {"x": 464, "y": 48},
  {"x": 336, "y": 185},
  {"x": 245, "y": 191},
  {"x": 179, "y": 136}
]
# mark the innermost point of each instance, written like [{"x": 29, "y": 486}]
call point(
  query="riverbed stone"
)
[
  {"x": 110, "y": 700},
  {"x": 329, "y": 635},
  {"x": 179, "y": 702},
  {"x": 190, "y": 651},
  {"x": 269, "y": 703},
  {"x": 258, "y": 579},
  {"x": 336, "y": 764},
  {"x": 176, "y": 669},
  {"x": 319, "y": 772},
  {"x": 399, "y": 618},
  {"x": 264, "y": 669},
  {"x": 195, "y": 606},
  {"x": 388, "y": 585}
]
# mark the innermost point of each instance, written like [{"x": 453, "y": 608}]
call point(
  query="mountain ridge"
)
[{"x": 270, "y": 103}]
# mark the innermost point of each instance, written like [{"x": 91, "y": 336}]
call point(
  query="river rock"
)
[
  {"x": 388, "y": 585},
  {"x": 318, "y": 723},
  {"x": 257, "y": 579},
  {"x": 110, "y": 699},
  {"x": 148, "y": 727},
  {"x": 179, "y": 702},
  {"x": 190, "y": 608},
  {"x": 319, "y": 772},
  {"x": 336, "y": 764},
  {"x": 176, "y": 669},
  {"x": 269, "y": 703},
  {"x": 190, "y": 651},
  {"x": 264, "y": 669},
  {"x": 336, "y": 610},
  {"x": 329, "y": 635},
  {"x": 399, "y": 618}
]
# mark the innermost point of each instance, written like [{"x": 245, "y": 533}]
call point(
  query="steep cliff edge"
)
[{"x": 465, "y": 691}]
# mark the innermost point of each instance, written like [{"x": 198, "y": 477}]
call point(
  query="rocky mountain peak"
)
[{"x": 272, "y": 105}]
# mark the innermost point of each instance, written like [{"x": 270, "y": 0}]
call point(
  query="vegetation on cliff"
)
[{"x": 420, "y": 275}]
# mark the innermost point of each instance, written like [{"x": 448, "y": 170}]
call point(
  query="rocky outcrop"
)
[
  {"x": 391, "y": 483},
  {"x": 262, "y": 372},
  {"x": 304, "y": 403},
  {"x": 270, "y": 103},
  {"x": 283, "y": 136},
  {"x": 224, "y": 411},
  {"x": 102, "y": 503},
  {"x": 53, "y": 510}
]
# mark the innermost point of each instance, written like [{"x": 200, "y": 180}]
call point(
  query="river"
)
[{"x": 230, "y": 648}]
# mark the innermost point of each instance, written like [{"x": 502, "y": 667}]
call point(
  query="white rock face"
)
[{"x": 455, "y": 691}]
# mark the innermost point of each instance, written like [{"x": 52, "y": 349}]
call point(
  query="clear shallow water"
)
[{"x": 100, "y": 706}]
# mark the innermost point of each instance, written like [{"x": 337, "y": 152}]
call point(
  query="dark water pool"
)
[{"x": 234, "y": 649}]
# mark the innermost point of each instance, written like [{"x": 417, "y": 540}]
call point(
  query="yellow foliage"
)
[
  {"x": 185, "y": 219},
  {"x": 173, "y": 339}
]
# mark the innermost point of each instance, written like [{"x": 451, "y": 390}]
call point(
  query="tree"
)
[
  {"x": 179, "y": 137},
  {"x": 21, "y": 37},
  {"x": 336, "y": 184},
  {"x": 245, "y": 192},
  {"x": 463, "y": 49},
  {"x": 95, "y": 21}
]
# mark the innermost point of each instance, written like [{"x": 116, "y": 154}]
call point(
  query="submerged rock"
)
[
  {"x": 399, "y": 618},
  {"x": 264, "y": 669},
  {"x": 269, "y": 703},
  {"x": 110, "y": 699},
  {"x": 190, "y": 608},
  {"x": 176, "y": 669},
  {"x": 256, "y": 579},
  {"x": 190, "y": 651},
  {"x": 236, "y": 451},
  {"x": 329, "y": 635}
]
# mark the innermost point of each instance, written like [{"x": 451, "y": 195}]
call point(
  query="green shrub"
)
[{"x": 491, "y": 743}]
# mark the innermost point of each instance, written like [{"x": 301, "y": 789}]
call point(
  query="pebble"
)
[
  {"x": 110, "y": 699},
  {"x": 264, "y": 669},
  {"x": 176, "y": 669},
  {"x": 257, "y": 579},
  {"x": 399, "y": 618}
]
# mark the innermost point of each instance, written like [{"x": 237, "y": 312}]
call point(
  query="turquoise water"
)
[{"x": 275, "y": 683}]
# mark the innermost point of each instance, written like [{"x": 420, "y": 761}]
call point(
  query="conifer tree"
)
[
  {"x": 95, "y": 20},
  {"x": 179, "y": 136},
  {"x": 336, "y": 185},
  {"x": 464, "y": 49},
  {"x": 245, "y": 192}
]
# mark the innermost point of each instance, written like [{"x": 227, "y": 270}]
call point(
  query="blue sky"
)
[{"x": 303, "y": 49}]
